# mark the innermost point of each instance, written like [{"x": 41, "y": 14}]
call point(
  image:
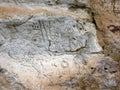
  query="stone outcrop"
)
[
  {"x": 103, "y": 75},
  {"x": 106, "y": 15},
  {"x": 9, "y": 82},
  {"x": 51, "y": 44}
]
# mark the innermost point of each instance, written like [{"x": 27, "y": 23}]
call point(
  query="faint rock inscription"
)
[{"x": 59, "y": 34}]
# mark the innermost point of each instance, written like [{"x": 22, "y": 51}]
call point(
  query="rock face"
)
[
  {"x": 103, "y": 75},
  {"x": 45, "y": 43},
  {"x": 8, "y": 81},
  {"x": 108, "y": 22}
]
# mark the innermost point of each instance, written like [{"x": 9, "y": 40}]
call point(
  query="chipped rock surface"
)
[{"x": 48, "y": 45}]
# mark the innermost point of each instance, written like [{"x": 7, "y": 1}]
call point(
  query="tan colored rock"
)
[
  {"x": 103, "y": 75},
  {"x": 106, "y": 16}
]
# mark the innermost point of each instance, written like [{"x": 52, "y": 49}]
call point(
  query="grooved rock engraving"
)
[{"x": 45, "y": 46}]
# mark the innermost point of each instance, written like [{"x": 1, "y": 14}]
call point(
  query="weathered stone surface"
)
[
  {"x": 103, "y": 75},
  {"x": 8, "y": 81},
  {"x": 108, "y": 23},
  {"x": 45, "y": 49},
  {"x": 50, "y": 44},
  {"x": 47, "y": 2}
]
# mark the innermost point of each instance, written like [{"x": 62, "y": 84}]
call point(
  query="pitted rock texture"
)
[
  {"x": 48, "y": 44},
  {"x": 103, "y": 75}
]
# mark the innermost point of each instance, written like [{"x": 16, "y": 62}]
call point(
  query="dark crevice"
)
[
  {"x": 113, "y": 4},
  {"x": 77, "y": 50},
  {"x": 78, "y": 5},
  {"x": 18, "y": 23},
  {"x": 1, "y": 44},
  {"x": 94, "y": 21}
]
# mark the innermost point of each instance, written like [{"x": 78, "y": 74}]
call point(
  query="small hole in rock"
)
[
  {"x": 77, "y": 20},
  {"x": 73, "y": 25},
  {"x": 73, "y": 38},
  {"x": 108, "y": 55},
  {"x": 2, "y": 70},
  {"x": 34, "y": 39},
  {"x": 92, "y": 67},
  {"x": 105, "y": 68},
  {"x": 80, "y": 28},
  {"x": 49, "y": 1},
  {"x": 103, "y": 47},
  {"x": 1, "y": 44},
  {"x": 114, "y": 71}
]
